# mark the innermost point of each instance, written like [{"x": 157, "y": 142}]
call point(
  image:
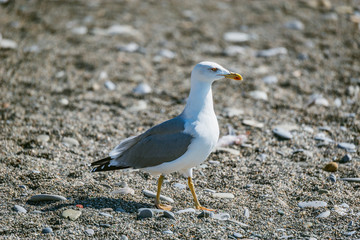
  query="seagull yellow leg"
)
[
  {"x": 196, "y": 201},
  {"x": 157, "y": 199}
]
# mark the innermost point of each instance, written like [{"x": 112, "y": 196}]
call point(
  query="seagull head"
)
[{"x": 210, "y": 72}]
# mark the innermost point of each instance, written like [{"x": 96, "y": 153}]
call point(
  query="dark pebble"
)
[
  {"x": 105, "y": 225},
  {"x": 345, "y": 159},
  {"x": 169, "y": 214},
  {"x": 206, "y": 214},
  {"x": 332, "y": 178},
  {"x": 145, "y": 213},
  {"x": 47, "y": 230}
]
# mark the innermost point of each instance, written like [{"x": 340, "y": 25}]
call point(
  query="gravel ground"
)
[{"x": 68, "y": 73}]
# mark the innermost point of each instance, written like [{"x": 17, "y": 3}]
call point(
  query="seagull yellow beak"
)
[{"x": 234, "y": 76}]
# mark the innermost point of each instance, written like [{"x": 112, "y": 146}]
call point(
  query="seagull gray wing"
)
[{"x": 162, "y": 143}]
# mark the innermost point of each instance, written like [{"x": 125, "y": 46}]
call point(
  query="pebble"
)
[
  {"x": 130, "y": 48},
  {"x": 272, "y": 79},
  {"x": 71, "y": 214},
  {"x": 145, "y": 213},
  {"x": 82, "y": 30},
  {"x": 223, "y": 195},
  {"x": 123, "y": 191},
  {"x": 166, "y": 53},
  {"x": 258, "y": 95},
  {"x": 234, "y": 51},
  {"x": 349, "y": 233},
  {"x": 347, "y": 146},
  {"x": 89, "y": 232},
  {"x": 123, "y": 237},
  {"x": 103, "y": 75},
  {"x": 167, "y": 232},
  {"x": 314, "y": 204},
  {"x": 238, "y": 235},
  {"x": 337, "y": 102},
  {"x": 303, "y": 56},
  {"x": 345, "y": 159},
  {"x": 105, "y": 214},
  {"x": 350, "y": 179},
  {"x": 323, "y": 137},
  {"x": 124, "y": 30},
  {"x": 105, "y": 225},
  {"x": 142, "y": 89},
  {"x": 331, "y": 167},
  {"x": 110, "y": 85},
  {"x": 281, "y": 212},
  {"x": 32, "y": 49},
  {"x": 221, "y": 216},
  {"x": 139, "y": 106},
  {"x": 231, "y": 112},
  {"x": 46, "y": 197},
  {"x": 295, "y": 25},
  {"x": 272, "y": 52},
  {"x": 64, "y": 102},
  {"x": 169, "y": 214},
  {"x": 19, "y": 209},
  {"x": 151, "y": 194},
  {"x": 323, "y": 214},
  {"x": 70, "y": 142},
  {"x": 47, "y": 230},
  {"x": 206, "y": 214},
  {"x": 8, "y": 44},
  {"x": 341, "y": 210},
  {"x": 332, "y": 178},
  {"x": 43, "y": 138},
  {"x": 236, "y": 37},
  {"x": 229, "y": 150},
  {"x": 246, "y": 212},
  {"x": 179, "y": 185},
  {"x": 282, "y": 133},
  {"x": 186, "y": 210},
  {"x": 252, "y": 123}
]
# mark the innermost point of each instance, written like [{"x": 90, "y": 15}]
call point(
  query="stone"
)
[
  {"x": 42, "y": 138},
  {"x": 105, "y": 225},
  {"x": 32, "y": 49},
  {"x": 169, "y": 214},
  {"x": 166, "y": 53},
  {"x": 346, "y": 146},
  {"x": 81, "y": 30},
  {"x": 223, "y": 195},
  {"x": 323, "y": 137},
  {"x": 19, "y": 209},
  {"x": 70, "y": 142},
  {"x": 64, "y": 102},
  {"x": 332, "y": 178},
  {"x": 179, "y": 185},
  {"x": 145, "y": 213},
  {"x": 46, "y": 197},
  {"x": 350, "y": 179},
  {"x": 89, "y": 232},
  {"x": 167, "y": 232},
  {"x": 272, "y": 79},
  {"x": 331, "y": 167},
  {"x": 344, "y": 9},
  {"x": 142, "y": 89},
  {"x": 272, "y": 52},
  {"x": 151, "y": 194},
  {"x": 252, "y": 123},
  {"x": 110, "y": 85},
  {"x": 258, "y": 95},
  {"x": 103, "y": 75},
  {"x": 130, "y": 47},
  {"x": 246, "y": 212},
  {"x": 346, "y": 158},
  {"x": 237, "y": 235},
  {"x": 139, "y": 106},
  {"x": 47, "y": 230},
  {"x": 313, "y": 204},
  {"x": 221, "y": 216},
  {"x": 232, "y": 112},
  {"x": 186, "y": 210},
  {"x": 323, "y": 214},
  {"x": 123, "y": 191},
  {"x": 342, "y": 210},
  {"x": 71, "y": 214},
  {"x": 8, "y": 44},
  {"x": 121, "y": 30},
  {"x": 236, "y": 37},
  {"x": 206, "y": 214},
  {"x": 337, "y": 102},
  {"x": 123, "y": 237},
  {"x": 349, "y": 233},
  {"x": 105, "y": 214},
  {"x": 232, "y": 51},
  {"x": 229, "y": 150},
  {"x": 282, "y": 133},
  {"x": 295, "y": 25}
]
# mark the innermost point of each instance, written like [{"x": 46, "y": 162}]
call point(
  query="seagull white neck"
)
[{"x": 200, "y": 100}]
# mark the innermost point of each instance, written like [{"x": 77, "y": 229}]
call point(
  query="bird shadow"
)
[{"x": 119, "y": 205}]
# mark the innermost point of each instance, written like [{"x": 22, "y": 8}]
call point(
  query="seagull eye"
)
[{"x": 214, "y": 69}]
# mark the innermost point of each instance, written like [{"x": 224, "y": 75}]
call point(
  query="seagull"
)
[{"x": 179, "y": 144}]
